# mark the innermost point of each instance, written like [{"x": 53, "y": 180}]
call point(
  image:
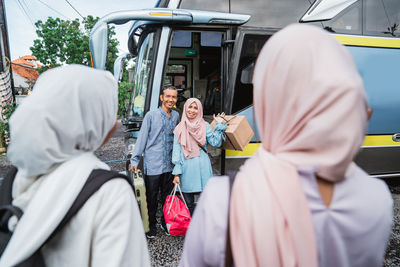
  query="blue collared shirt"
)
[{"x": 155, "y": 142}]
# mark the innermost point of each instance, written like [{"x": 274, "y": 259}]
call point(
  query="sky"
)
[{"x": 22, "y": 14}]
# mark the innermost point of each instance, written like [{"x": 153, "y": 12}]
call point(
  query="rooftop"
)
[{"x": 26, "y": 67}]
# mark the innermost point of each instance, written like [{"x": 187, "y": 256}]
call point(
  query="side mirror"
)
[
  {"x": 118, "y": 66},
  {"x": 132, "y": 45},
  {"x": 98, "y": 43},
  {"x": 325, "y": 10}
]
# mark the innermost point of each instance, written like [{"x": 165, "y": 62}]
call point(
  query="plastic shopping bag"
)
[{"x": 176, "y": 213}]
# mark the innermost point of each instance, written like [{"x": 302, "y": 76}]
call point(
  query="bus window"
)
[
  {"x": 195, "y": 70},
  {"x": 247, "y": 74},
  {"x": 347, "y": 22},
  {"x": 182, "y": 39},
  {"x": 207, "y": 5},
  {"x": 142, "y": 75},
  {"x": 368, "y": 17},
  {"x": 213, "y": 39},
  {"x": 382, "y": 18},
  {"x": 176, "y": 74},
  {"x": 271, "y": 13},
  {"x": 243, "y": 90}
]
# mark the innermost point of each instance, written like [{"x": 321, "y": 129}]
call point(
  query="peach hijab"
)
[
  {"x": 191, "y": 133},
  {"x": 310, "y": 108}
]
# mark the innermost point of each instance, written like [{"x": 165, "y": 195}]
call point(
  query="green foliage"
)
[
  {"x": 4, "y": 126},
  {"x": 123, "y": 95},
  {"x": 125, "y": 86},
  {"x": 64, "y": 42}
]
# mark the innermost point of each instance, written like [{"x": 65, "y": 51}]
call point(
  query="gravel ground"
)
[
  {"x": 392, "y": 258},
  {"x": 166, "y": 250}
]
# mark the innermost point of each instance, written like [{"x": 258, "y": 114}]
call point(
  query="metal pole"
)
[{"x": 5, "y": 45}]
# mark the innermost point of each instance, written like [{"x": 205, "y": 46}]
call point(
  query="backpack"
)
[{"x": 95, "y": 180}]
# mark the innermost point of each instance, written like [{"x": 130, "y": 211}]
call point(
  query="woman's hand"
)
[
  {"x": 219, "y": 117},
  {"x": 176, "y": 180}
]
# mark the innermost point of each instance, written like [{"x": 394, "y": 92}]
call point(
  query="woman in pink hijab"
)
[
  {"x": 300, "y": 200},
  {"x": 191, "y": 136}
]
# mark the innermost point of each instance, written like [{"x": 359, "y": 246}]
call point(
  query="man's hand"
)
[
  {"x": 133, "y": 169},
  {"x": 176, "y": 180}
]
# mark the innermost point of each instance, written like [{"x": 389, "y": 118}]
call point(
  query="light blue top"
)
[
  {"x": 195, "y": 172},
  {"x": 155, "y": 141}
]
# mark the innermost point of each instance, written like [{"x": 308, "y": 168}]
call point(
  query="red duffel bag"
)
[{"x": 176, "y": 213}]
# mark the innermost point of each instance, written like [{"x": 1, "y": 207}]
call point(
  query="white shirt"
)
[{"x": 107, "y": 231}]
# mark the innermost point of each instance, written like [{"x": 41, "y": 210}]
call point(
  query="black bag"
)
[{"x": 95, "y": 180}]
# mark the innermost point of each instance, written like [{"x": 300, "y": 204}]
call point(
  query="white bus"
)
[{"x": 207, "y": 49}]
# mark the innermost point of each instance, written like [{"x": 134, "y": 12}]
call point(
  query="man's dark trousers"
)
[{"x": 154, "y": 183}]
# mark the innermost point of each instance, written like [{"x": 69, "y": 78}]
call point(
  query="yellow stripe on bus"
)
[
  {"x": 380, "y": 140},
  {"x": 369, "y": 41},
  {"x": 247, "y": 152},
  {"x": 370, "y": 140},
  {"x": 168, "y": 14}
]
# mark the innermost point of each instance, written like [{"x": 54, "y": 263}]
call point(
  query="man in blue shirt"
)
[{"x": 155, "y": 142}]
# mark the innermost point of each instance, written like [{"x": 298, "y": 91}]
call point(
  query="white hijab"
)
[{"x": 54, "y": 133}]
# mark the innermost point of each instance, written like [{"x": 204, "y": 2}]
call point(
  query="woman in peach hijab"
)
[
  {"x": 300, "y": 200},
  {"x": 191, "y": 137}
]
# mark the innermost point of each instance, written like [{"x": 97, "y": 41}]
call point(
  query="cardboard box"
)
[{"x": 238, "y": 133}]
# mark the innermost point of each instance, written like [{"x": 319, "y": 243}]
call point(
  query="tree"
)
[
  {"x": 8, "y": 109},
  {"x": 64, "y": 42},
  {"x": 125, "y": 86}
]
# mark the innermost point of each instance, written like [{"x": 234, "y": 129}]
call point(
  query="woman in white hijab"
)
[{"x": 54, "y": 132}]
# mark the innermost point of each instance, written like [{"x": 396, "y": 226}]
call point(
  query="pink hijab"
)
[
  {"x": 310, "y": 107},
  {"x": 191, "y": 133}
]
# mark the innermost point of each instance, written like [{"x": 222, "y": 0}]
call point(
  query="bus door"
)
[
  {"x": 172, "y": 46},
  {"x": 195, "y": 67},
  {"x": 239, "y": 93}
]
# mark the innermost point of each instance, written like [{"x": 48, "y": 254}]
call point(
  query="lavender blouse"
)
[{"x": 353, "y": 231}]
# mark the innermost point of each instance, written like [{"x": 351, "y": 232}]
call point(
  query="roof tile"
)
[{"x": 24, "y": 68}]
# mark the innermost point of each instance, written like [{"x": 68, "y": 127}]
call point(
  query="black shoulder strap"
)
[
  {"x": 95, "y": 180},
  {"x": 202, "y": 148},
  {"x": 6, "y": 187},
  {"x": 228, "y": 248}
]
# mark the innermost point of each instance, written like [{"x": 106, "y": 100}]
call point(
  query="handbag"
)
[{"x": 176, "y": 213}]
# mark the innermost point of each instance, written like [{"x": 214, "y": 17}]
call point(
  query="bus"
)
[{"x": 207, "y": 49}]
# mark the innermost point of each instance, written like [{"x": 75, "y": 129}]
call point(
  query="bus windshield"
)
[{"x": 142, "y": 75}]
